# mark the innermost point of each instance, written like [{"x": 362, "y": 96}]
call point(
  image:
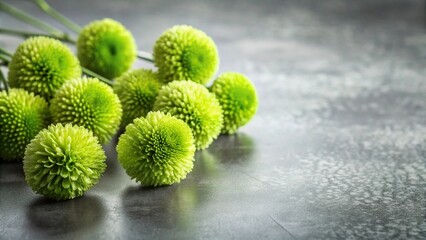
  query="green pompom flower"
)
[
  {"x": 22, "y": 116},
  {"x": 89, "y": 103},
  {"x": 185, "y": 53},
  {"x": 106, "y": 47},
  {"x": 195, "y": 105},
  {"x": 238, "y": 98},
  {"x": 157, "y": 150},
  {"x": 41, "y": 65},
  {"x": 137, "y": 91},
  {"x": 62, "y": 162}
]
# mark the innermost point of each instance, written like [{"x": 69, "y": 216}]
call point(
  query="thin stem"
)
[
  {"x": 145, "y": 56},
  {"x": 5, "y": 58},
  {"x": 53, "y": 32},
  {"x": 4, "y": 81},
  {"x": 21, "y": 15},
  {"x": 43, "y": 5},
  {"x": 5, "y": 52},
  {"x": 26, "y": 34},
  {"x": 93, "y": 74}
]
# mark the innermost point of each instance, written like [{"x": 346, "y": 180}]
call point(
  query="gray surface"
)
[{"x": 337, "y": 149}]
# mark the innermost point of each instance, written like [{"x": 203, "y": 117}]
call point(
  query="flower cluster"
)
[{"x": 55, "y": 119}]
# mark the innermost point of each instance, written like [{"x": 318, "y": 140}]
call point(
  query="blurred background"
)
[{"x": 336, "y": 150}]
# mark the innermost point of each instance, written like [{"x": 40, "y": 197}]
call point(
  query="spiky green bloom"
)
[
  {"x": 137, "y": 91},
  {"x": 157, "y": 150},
  {"x": 185, "y": 53},
  {"x": 106, "y": 47},
  {"x": 63, "y": 161},
  {"x": 41, "y": 65},
  {"x": 22, "y": 116},
  {"x": 238, "y": 98},
  {"x": 195, "y": 105},
  {"x": 90, "y": 103}
]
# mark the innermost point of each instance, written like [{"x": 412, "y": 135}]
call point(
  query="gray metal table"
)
[{"x": 337, "y": 149}]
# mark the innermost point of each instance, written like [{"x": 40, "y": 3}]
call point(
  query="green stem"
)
[
  {"x": 93, "y": 74},
  {"x": 5, "y": 59},
  {"x": 21, "y": 15},
  {"x": 145, "y": 56},
  {"x": 43, "y": 5},
  {"x": 53, "y": 32},
  {"x": 26, "y": 34},
  {"x": 5, "y": 52},
  {"x": 4, "y": 81}
]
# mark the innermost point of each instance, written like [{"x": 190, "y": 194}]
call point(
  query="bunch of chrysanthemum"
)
[{"x": 55, "y": 119}]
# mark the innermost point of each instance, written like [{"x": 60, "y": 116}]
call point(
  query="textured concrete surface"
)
[{"x": 337, "y": 149}]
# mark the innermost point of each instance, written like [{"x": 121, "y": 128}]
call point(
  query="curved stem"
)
[
  {"x": 4, "y": 59},
  {"x": 145, "y": 56},
  {"x": 53, "y": 32},
  {"x": 93, "y": 74},
  {"x": 21, "y": 15},
  {"x": 43, "y": 5},
  {"x": 4, "y": 81},
  {"x": 5, "y": 52},
  {"x": 26, "y": 34}
]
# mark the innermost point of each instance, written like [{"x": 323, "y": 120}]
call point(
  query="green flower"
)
[
  {"x": 185, "y": 53},
  {"x": 195, "y": 105},
  {"x": 137, "y": 91},
  {"x": 238, "y": 98},
  {"x": 106, "y": 47},
  {"x": 89, "y": 103},
  {"x": 41, "y": 65},
  {"x": 22, "y": 116},
  {"x": 157, "y": 150},
  {"x": 62, "y": 162}
]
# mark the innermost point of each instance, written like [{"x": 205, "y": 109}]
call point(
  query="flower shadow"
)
[
  {"x": 160, "y": 207},
  {"x": 65, "y": 216},
  {"x": 233, "y": 149},
  {"x": 11, "y": 172}
]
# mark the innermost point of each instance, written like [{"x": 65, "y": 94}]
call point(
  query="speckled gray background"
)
[{"x": 337, "y": 149}]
